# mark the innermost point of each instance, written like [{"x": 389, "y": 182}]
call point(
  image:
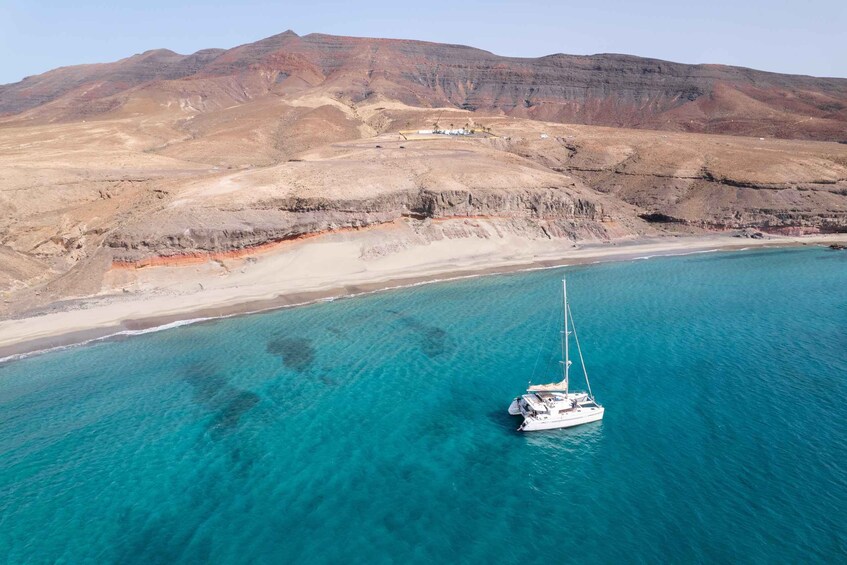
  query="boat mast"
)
[{"x": 565, "y": 356}]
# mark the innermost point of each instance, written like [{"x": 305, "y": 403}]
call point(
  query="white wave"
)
[
  {"x": 645, "y": 257},
  {"x": 547, "y": 268},
  {"x": 697, "y": 252},
  {"x": 154, "y": 329},
  {"x": 19, "y": 356},
  {"x": 161, "y": 328}
]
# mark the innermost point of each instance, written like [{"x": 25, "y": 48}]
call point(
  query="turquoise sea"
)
[{"x": 374, "y": 429}]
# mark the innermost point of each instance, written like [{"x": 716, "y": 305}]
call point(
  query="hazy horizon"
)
[{"x": 763, "y": 36}]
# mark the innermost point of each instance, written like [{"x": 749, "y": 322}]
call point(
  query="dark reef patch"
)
[
  {"x": 328, "y": 381},
  {"x": 205, "y": 383},
  {"x": 215, "y": 393},
  {"x": 336, "y": 332},
  {"x": 297, "y": 353},
  {"x": 432, "y": 340},
  {"x": 238, "y": 403},
  {"x": 158, "y": 539}
]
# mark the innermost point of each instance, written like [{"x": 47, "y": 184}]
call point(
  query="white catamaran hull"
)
[
  {"x": 578, "y": 417},
  {"x": 514, "y": 409}
]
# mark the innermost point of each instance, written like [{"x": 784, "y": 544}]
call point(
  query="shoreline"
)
[{"x": 15, "y": 346}]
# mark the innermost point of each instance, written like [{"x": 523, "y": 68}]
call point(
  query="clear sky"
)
[{"x": 808, "y": 37}]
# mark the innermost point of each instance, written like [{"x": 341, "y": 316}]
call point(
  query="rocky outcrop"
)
[
  {"x": 718, "y": 204},
  {"x": 447, "y": 203},
  {"x": 711, "y": 182},
  {"x": 550, "y": 213}
]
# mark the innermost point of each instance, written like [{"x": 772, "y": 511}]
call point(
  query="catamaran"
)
[{"x": 553, "y": 405}]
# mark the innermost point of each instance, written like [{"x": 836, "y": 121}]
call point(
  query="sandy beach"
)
[{"x": 135, "y": 300}]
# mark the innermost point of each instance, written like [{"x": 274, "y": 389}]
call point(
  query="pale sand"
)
[{"x": 324, "y": 267}]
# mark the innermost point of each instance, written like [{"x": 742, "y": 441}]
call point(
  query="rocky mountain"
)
[
  {"x": 607, "y": 89},
  {"x": 203, "y": 163}
]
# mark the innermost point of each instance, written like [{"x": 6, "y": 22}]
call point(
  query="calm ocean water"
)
[{"x": 375, "y": 429}]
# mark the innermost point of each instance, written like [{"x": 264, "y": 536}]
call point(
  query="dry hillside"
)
[{"x": 170, "y": 156}]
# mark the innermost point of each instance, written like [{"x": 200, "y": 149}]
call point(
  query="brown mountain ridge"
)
[{"x": 605, "y": 89}]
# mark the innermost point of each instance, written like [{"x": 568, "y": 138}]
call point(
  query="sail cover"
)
[{"x": 549, "y": 387}]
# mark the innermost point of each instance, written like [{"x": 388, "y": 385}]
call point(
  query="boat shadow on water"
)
[{"x": 504, "y": 422}]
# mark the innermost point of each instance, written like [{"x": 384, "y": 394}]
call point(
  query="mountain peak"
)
[{"x": 286, "y": 33}]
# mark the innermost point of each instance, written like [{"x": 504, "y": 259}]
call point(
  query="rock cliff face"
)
[
  {"x": 614, "y": 90},
  {"x": 547, "y": 213},
  {"x": 718, "y": 183}
]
